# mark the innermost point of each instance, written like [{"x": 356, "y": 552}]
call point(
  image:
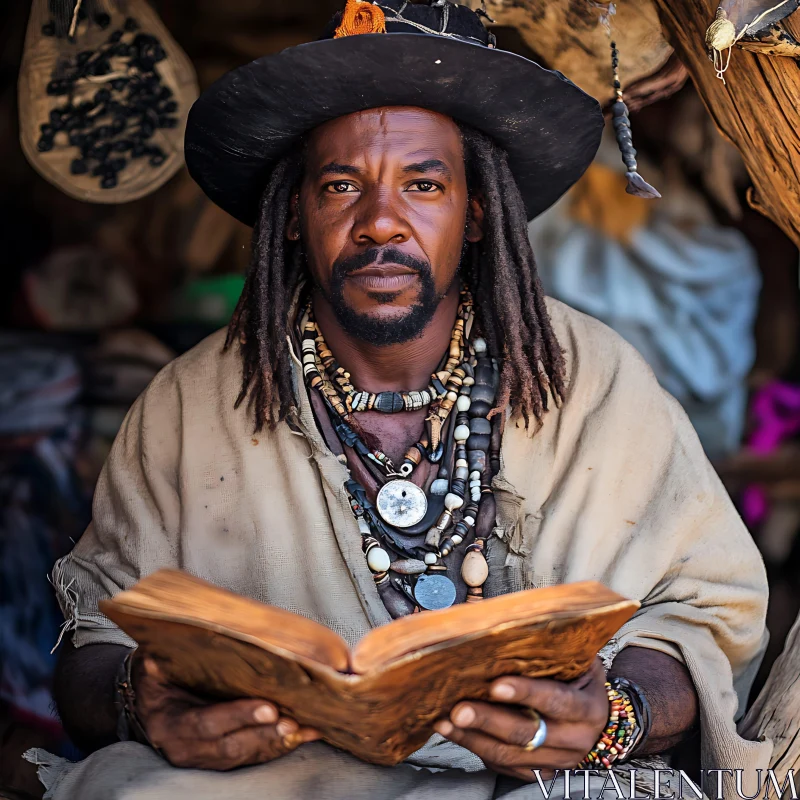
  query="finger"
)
[
  {"x": 152, "y": 670},
  {"x": 518, "y": 728},
  {"x": 240, "y": 748},
  {"x": 154, "y": 692},
  {"x": 221, "y": 719},
  {"x": 287, "y": 727},
  {"x": 491, "y": 750},
  {"x": 502, "y": 722},
  {"x": 594, "y": 673},
  {"x": 554, "y": 699},
  {"x": 259, "y": 744},
  {"x": 256, "y": 745}
]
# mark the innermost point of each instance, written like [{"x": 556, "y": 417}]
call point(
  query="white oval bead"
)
[
  {"x": 461, "y": 433},
  {"x": 474, "y": 569},
  {"x": 378, "y": 559},
  {"x": 475, "y": 475},
  {"x": 440, "y": 486},
  {"x": 452, "y": 396},
  {"x": 463, "y": 403},
  {"x": 462, "y": 462},
  {"x": 453, "y": 501},
  {"x": 469, "y": 520},
  {"x": 479, "y": 346},
  {"x": 468, "y": 381},
  {"x": 456, "y": 539},
  {"x": 430, "y": 558}
]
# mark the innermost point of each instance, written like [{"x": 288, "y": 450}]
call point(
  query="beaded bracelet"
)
[
  {"x": 618, "y": 737},
  {"x": 641, "y": 708}
]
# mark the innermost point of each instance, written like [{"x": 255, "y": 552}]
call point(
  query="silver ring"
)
[{"x": 539, "y": 737}]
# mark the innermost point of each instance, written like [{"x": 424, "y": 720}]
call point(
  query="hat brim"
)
[{"x": 249, "y": 118}]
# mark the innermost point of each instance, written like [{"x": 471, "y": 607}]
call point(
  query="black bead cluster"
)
[{"x": 116, "y": 125}]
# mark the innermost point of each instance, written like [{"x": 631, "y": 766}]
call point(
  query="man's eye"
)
[
  {"x": 424, "y": 186},
  {"x": 340, "y": 187}
]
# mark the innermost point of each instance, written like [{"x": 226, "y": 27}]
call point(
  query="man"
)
[{"x": 392, "y": 337}]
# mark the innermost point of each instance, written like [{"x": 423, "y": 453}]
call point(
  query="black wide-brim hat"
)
[{"x": 438, "y": 57}]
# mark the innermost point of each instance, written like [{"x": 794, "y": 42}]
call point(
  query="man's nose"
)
[{"x": 379, "y": 219}]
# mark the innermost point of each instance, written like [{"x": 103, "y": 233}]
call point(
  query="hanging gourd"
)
[
  {"x": 104, "y": 92},
  {"x": 752, "y": 25}
]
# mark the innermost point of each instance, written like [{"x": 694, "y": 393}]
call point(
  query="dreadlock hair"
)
[
  {"x": 260, "y": 321},
  {"x": 500, "y": 270},
  {"x": 508, "y": 296}
]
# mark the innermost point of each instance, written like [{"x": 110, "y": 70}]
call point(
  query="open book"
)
[{"x": 379, "y": 700}]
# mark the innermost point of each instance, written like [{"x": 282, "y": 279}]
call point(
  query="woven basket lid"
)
[{"x": 42, "y": 53}]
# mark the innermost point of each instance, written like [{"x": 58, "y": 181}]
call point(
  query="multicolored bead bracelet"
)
[{"x": 621, "y": 734}]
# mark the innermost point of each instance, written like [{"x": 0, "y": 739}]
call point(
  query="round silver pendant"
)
[
  {"x": 435, "y": 591},
  {"x": 401, "y": 503}
]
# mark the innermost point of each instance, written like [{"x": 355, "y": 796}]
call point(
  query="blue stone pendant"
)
[{"x": 434, "y": 592}]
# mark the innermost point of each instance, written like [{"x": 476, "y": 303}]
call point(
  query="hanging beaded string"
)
[
  {"x": 468, "y": 384},
  {"x": 637, "y": 185},
  {"x": 385, "y": 402},
  {"x": 466, "y": 492},
  {"x": 323, "y": 373}
]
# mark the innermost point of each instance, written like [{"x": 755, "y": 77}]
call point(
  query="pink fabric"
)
[{"x": 775, "y": 416}]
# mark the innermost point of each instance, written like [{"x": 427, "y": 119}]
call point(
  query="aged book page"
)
[{"x": 411, "y": 671}]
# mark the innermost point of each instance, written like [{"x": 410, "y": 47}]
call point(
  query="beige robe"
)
[{"x": 614, "y": 487}]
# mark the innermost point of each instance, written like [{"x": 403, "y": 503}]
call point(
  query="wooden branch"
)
[
  {"x": 757, "y": 108},
  {"x": 567, "y": 35},
  {"x": 749, "y": 467},
  {"x": 776, "y": 712}
]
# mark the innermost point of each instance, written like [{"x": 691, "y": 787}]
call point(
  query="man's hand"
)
[
  {"x": 193, "y": 733},
  {"x": 576, "y": 714}
]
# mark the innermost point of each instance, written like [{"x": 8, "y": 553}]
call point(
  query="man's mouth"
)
[{"x": 385, "y": 277}]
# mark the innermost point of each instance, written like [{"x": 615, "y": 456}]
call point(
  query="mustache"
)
[{"x": 379, "y": 255}]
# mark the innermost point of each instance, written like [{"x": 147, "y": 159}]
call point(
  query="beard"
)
[{"x": 382, "y": 332}]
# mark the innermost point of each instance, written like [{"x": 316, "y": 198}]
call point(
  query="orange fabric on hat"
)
[{"x": 361, "y": 17}]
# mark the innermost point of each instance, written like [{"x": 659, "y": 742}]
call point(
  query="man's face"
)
[{"x": 383, "y": 214}]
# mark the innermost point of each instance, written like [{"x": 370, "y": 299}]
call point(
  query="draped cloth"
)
[
  {"x": 684, "y": 294},
  {"x": 613, "y": 487}
]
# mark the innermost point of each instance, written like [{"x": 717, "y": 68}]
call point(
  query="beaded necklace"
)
[
  {"x": 459, "y": 503},
  {"x": 322, "y": 372}
]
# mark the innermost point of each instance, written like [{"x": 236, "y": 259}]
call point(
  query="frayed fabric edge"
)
[
  {"x": 67, "y": 596},
  {"x": 49, "y": 768}
]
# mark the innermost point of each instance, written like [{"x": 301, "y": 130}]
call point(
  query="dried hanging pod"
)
[
  {"x": 620, "y": 119},
  {"x": 753, "y": 25},
  {"x": 104, "y": 92}
]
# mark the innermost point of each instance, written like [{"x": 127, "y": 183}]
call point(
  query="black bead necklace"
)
[{"x": 457, "y": 508}]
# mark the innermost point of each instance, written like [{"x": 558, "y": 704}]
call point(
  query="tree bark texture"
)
[
  {"x": 757, "y": 108},
  {"x": 776, "y": 712},
  {"x": 567, "y": 35}
]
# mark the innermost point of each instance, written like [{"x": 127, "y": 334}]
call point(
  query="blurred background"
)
[{"x": 113, "y": 262}]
